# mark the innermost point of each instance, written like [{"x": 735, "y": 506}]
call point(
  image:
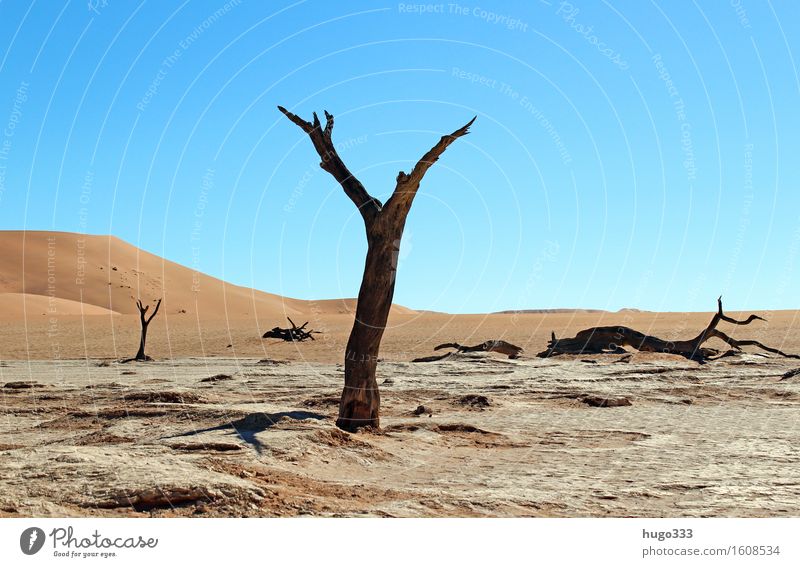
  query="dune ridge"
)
[{"x": 103, "y": 275}]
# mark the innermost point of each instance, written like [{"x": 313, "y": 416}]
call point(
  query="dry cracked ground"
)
[{"x": 241, "y": 437}]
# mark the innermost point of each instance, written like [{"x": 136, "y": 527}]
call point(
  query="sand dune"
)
[
  {"x": 17, "y": 306},
  {"x": 108, "y": 273}
]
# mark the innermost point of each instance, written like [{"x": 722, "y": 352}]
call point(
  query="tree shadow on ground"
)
[{"x": 252, "y": 424}]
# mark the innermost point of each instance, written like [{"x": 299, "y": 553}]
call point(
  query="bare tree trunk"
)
[
  {"x": 145, "y": 321},
  {"x": 361, "y": 400},
  {"x": 360, "y": 404},
  {"x": 140, "y": 355}
]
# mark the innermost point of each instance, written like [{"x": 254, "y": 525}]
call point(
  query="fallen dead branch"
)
[
  {"x": 433, "y": 358},
  {"x": 503, "y": 347},
  {"x": 791, "y": 374},
  {"x": 293, "y": 334},
  {"x": 604, "y": 401},
  {"x": 610, "y": 340}
]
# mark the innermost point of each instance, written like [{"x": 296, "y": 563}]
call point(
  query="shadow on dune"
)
[{"x": 250, "y": 425}]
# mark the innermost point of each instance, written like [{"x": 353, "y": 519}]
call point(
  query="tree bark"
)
[
  {"x": 384, "y": 224},
  {"x": 360, "y": 404},
  {"x": 140, "y": 355}
]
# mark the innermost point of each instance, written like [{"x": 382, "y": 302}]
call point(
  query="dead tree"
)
[
  {"x": 503, "y": 347},
  {"x": 610, "y": 340},
  {"x": 141, "y": 356},
  {"x": 293, "y": 334},
  {"x": 384, "y": 223}
]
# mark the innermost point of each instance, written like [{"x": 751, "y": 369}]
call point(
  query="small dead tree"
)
[
  {"x": 293, "y": 334},
  {"x": 610, "y": 340},
  {"x": 384, "y": 223},
  {"x": 141, "y": 356}
]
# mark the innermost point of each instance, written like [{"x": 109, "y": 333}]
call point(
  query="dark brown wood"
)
[
  {"x": 791, "y": 374},
  {"x": 503, "y": 347},
  {"x": 434, "y": 358},
  {"x": 360, "y": 403},
  {"x": 291, "y": 334},
  {"x": 610, "y": 340},
  {"x": 140, "y": 355}
]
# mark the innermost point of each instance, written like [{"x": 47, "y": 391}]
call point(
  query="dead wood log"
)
[
  {"x": 604, "y": 401},
  {"x": 791, "y": 374},
  {"x": 434, "y": 357},
  {"x": 610, "y": 340},
  {"x": 503, "y": 347},
  {"x": 291, "y": 334},
  {"x": 384, "y": 224}
]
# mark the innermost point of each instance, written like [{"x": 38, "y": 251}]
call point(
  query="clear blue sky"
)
[{"x": 626, "y": 154}]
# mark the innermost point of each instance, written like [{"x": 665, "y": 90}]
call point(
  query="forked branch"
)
[
  {"x": 738, "y": 344},
  {"x": 333, "y": 164},
  {"x": 408, "y": 183},
  {"x": 143, "y": 310}
]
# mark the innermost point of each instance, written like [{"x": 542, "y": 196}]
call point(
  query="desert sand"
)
[
  {"x": 258, "y": 439},
  {"x": 224, "y": 423}
]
